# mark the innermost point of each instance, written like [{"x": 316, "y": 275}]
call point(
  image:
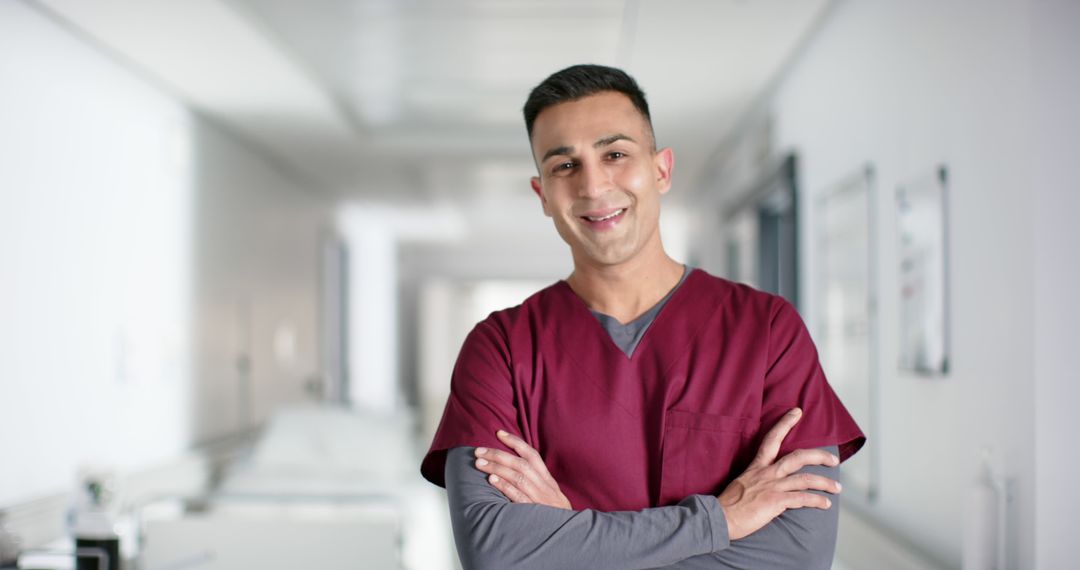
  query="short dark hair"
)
[{"x": 579, "y": 81}]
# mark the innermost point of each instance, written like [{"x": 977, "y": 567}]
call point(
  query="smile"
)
[
  {"x": 607, "y": 217},
  {"x": 600, "y": 221}
]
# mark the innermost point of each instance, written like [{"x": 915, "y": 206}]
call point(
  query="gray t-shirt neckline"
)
[{"x": 628, "y": 336}]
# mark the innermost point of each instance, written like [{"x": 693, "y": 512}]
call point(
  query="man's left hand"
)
[{"x": 523, "y": 478}]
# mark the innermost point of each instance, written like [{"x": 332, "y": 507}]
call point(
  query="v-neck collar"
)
[
  {"x": 629, "y": 335},
  {"x": 631, "y": 382},
  {"x": 578, "y": 307}
]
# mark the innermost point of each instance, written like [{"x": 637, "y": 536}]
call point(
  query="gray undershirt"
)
[
  {"x": 492, "y": 532},
  {"x": 627, "y": 336}
]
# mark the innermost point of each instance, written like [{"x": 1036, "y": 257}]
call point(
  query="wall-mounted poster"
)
[
  {"x": 845, "y": 310},
  {"x": 922, "y": 223}
]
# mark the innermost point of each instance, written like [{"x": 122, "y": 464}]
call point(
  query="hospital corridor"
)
[{"x": 260, "y": 260}]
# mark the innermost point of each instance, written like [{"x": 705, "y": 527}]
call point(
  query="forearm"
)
[
  {"x": 492, "y": 532},
  {"x": 799, "y": 539}
]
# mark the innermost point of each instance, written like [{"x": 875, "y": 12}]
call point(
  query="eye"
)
[
  {"x": 563, "y": 166},
  {"x": 615, "y": 155}
]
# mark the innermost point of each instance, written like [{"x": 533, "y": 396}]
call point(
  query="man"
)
[{"x": 615, "y": 419}]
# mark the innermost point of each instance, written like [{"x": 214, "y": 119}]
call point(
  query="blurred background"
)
[{"x": 243, "y": 240}]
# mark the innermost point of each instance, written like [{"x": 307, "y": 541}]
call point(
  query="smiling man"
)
[{"x": 639, "y": 413}]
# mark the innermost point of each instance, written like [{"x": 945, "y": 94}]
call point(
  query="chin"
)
[{"x": 608, "y": 255}]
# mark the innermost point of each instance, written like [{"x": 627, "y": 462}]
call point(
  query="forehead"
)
[{"x": 583, "y": 121}]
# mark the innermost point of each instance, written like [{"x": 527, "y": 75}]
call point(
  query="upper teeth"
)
[{"x": 607, "y": 217}]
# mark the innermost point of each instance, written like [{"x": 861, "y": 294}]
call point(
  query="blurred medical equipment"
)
[
  {"x": 323, "y": 488},
  {"x": 97, "y": 544}
]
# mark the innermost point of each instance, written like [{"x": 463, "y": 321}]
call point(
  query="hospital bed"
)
[{"x": 323, "y": 488}]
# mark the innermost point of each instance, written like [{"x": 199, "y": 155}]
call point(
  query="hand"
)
[
  {"x": 523, "y": 478},
  {"x": 769, "y": 487}
]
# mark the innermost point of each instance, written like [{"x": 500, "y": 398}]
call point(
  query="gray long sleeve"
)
[
  {"x": 492, "y": 532},
  {"x": 797, "y": 539}
]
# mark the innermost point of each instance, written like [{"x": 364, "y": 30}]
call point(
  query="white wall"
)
[
  {"x": 139, "y": 244},
  {"x": 256, "y": 275},
  {"x": 1055, "y": 144},
  {"x": 908, "y": 86}
]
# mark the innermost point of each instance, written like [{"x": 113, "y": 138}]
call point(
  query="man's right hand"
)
[{"x": 769, "y": 486}]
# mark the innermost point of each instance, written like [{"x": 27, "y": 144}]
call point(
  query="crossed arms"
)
[{"x": 522, "y": 520}]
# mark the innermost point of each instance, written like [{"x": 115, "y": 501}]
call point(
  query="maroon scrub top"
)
[{"x": 684, "y": 415}]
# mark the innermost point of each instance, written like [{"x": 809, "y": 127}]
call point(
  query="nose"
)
[{"x": 593, "y": 180}]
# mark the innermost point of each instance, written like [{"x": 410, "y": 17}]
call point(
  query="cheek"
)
[
  {"x": 558, "y": 197},
  {"x": 636, "y": 180}
]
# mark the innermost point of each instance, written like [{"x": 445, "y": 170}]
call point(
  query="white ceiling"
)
[{"x": 422, "y": 98}]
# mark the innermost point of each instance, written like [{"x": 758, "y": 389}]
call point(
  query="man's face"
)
[{"x": 600, "y": 180}]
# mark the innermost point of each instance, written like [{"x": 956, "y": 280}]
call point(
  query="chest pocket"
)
[{"x": 702, "y": 453}]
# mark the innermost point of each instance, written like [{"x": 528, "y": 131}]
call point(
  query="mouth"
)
[{"x": 604, "y": 219}]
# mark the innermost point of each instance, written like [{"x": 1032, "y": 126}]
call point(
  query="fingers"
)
[
  {"x": 506, "y": 465},
  {"x": 506, "y": 473},
  {"x": 509, "y": 489},
  {"x": 807, "y": 482},
  {"x": 801, "y": 500},
  {"x": 524, "y": 477},
  {"x": 503, "y": 458},
  {"x": 770, "y": 445},
  {"x": 517, "y": 444},
  {"x": 520, "y": 475},
  {"x": 530, "y": 455},
  {"x": 800, "y": 458}
]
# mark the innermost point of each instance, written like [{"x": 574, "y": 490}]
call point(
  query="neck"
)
[{"x": 626, "y": 290}]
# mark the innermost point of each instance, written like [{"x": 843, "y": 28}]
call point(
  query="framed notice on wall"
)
[{"x": 923, "y": 249}]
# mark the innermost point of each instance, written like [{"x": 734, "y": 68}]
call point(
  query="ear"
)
[
  {"x": 535, "y": 182},
  {"x": 665, "y": 164}
]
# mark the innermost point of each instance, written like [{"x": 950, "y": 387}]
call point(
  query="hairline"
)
[{"x": 647, "y": 119}]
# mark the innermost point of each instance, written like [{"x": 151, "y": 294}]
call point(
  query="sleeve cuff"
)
[{"x": 717, "y": 521}]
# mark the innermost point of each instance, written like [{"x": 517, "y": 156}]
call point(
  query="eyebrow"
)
[
  {"x": 557, "y": 151},
  {"x": 612, "y": 139},
  {"x": 599, "y": 143}
]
